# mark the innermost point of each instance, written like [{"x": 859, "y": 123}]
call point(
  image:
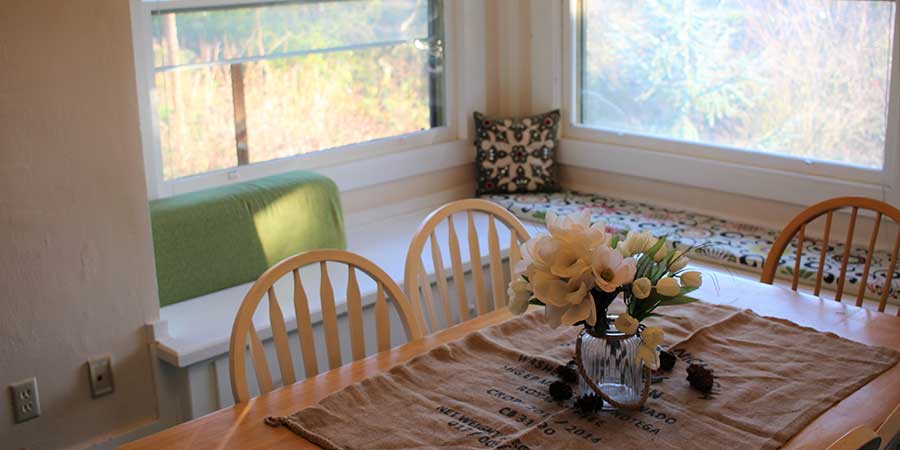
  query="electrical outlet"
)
[
  {"x": 26, "y": 404},
  {"x": 100, "y": 371}
]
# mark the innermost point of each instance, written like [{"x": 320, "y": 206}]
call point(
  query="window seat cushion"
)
[
  {"x": 730, "y": 243},
  {"x": 214, "y": 239}
]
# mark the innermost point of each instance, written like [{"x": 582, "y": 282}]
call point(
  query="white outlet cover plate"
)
[
  {"x": 100, "y": 371},
  {"x": 26, "y": 404}
]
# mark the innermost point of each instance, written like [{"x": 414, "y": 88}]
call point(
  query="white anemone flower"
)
[
  {"x": 570, "y": 262},
  {"x": 566, "y": 301},
  {"x": 576, "y": 230},
  {"x": 537, "y": 254},
  {"x": 561, "y": 224},
  {"x": 611, "y": 270},
  {"x": 552, "y": 290},
  {"x": 571, "y": 314}
]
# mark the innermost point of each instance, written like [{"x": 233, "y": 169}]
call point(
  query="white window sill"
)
[{"x": 200, "y": 329}]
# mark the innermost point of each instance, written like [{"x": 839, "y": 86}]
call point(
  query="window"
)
[
  {"x": 807, "y": 79},
  {"x": 236, "y": 85}
]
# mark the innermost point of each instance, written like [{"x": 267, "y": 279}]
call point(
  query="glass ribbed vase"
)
[{"x": 610, "y": 361}]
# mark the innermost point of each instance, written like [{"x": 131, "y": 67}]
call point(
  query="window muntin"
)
[
  {"x": 255, "y": 83},
  {"x": 800, "y": 78}
]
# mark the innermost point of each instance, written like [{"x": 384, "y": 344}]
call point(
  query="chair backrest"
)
[
  {"x": 415, "y": 275},
  {"x": 244, "y": 329},
  {"x": 859, "y": 438},
  {"x": 890, "y": 428},
  {"x": 797, "y": 228}
]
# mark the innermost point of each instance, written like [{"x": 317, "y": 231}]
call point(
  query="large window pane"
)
[
  {"x": 298, "y": 77},
  {"x": 303, "y": 104},
  {"x": 807, "y": 78},
  {"x": 196, "y": 121},
  {"x": 221, "y": 34}
]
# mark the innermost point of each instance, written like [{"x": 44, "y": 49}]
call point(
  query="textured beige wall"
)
[
  {"x": 508, "y": 67},
  {"x": 76, "y": 264}
]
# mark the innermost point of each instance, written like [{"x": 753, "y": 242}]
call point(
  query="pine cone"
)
[
  {"x": 560, "y": 391},
  {"x": 568, "y": 373},
  {"x": 700, "y": 378},
  {"x": 589, "y": 403}
]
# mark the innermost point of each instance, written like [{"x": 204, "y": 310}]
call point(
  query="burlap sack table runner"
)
[{"x": 489, "y": 390}]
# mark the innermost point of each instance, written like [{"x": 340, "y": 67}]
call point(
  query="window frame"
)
[
  {"x": 334, "y": 157},
  {"x": 723, "y": 168}
]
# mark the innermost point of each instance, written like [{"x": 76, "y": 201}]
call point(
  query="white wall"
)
[{"x": 76, "y": 266}]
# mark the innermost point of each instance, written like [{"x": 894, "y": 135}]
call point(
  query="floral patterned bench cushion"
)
[{"x": 730, "y": 243}]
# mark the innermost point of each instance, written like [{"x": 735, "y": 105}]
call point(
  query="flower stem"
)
[{"x": 602, "y": 300}]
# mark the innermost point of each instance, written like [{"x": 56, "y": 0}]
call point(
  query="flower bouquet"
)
[{"x": 577, "y": 272}]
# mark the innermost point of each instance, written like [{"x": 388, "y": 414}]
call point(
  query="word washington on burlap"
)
[{"x": 488, "y": 390}]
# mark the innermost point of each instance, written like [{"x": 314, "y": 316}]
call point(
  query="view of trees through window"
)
[
  {"x": 807, "y": 78},
  {"x": 241, "y": 85}
]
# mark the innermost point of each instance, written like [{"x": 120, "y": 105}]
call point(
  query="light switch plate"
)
[
  {"x": 25, "y": 401},
  {"x": 100, "y": 372}
]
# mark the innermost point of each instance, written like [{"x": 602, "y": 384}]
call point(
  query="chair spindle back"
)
[
  {"x": 416, "y": 275},
  {"x": 244, "y": 328}
]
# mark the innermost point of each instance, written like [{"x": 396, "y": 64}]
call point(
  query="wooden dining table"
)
[{"x": 241, "y": 426}]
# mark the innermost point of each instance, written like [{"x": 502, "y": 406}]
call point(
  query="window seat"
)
[
  {"x": 733, "y": 244},
  {"x": 199, "y": 329}
]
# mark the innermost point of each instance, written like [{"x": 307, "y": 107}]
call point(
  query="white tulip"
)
[
  {"x": 661, "y": 254},
  {"x": 679, "y": 262},
  {"x": 611, "y": 270},
  {"x": 518, "y": 306},
  {"x": 646, "y": 241},
  {"x": 691, "y": 279},
  {"x": 641, "y": 288},
  {"x": 668, "y": 287},
  {"x": 636, "y": 243},
  {"x": 625, "y": 245},
  {"x": 653, "y": 337},
  {"x": 626, "y": 324},
  {"x": 519, "y": 295},
  {"x": 648, "y": 356},
  {"x": 522, "y": 267}
]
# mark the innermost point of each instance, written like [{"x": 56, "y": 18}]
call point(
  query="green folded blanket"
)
[{"x": 218, "y": 238}]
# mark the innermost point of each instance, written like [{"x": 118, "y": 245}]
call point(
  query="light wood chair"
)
[
  {"x": 415, "y": 273},
  {"x": 797, "y": 228},
  {"x": 859, "y": 438},
  {"x": 890, "y": 428},
  {"x": 244, "y": 329}
]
